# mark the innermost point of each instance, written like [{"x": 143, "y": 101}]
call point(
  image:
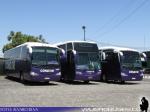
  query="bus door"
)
[
  {"x": 112, "y": 66},
  {"x": 63, "y": 63},
  {"x": 70, "y": 65},
  {"x": 115, "y": 63}
]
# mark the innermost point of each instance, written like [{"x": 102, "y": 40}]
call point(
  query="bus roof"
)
[
  {"x": 32, "y": 44},
  {"x": 146, "y": 51},
  {"x": 117, "y": 48},
  {"x": 61, "y": 43},
  {"x": 36, "y": 44}
]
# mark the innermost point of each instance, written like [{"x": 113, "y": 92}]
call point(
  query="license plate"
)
[
  {"x": 90, "y": 77},
  {"x": 46, "y": 78}
]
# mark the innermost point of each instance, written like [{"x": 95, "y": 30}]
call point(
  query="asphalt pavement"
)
[{"x": 77, "y": 94}]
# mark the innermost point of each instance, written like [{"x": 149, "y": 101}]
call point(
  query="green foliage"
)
[{"x": 17, "y": 38}]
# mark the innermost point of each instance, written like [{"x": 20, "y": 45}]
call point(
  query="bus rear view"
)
[{"x": 121, "y": 64}]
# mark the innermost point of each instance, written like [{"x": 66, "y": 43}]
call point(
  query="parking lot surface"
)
[{"x": 77, "y": 94}]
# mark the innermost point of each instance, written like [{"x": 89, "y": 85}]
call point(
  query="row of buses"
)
[{"x": 72, "y": 60}]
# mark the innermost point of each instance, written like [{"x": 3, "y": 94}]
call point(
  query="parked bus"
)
[
  {"x": 146, "y": 61},
  {"x": 33, "y": 61},
  {"x": 120, "y": 64},
  {"x": 82, "y": 61}
]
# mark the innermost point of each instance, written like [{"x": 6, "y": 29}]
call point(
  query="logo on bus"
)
[
  {"x": 46, "y": 70},
  {"x": 134, "y": 72}
]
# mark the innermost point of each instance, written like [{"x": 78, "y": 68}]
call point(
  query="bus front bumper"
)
[
  {"x": 87, "y": 76},
  {"x": 45, "y": 77},
  {"x": 132, "y": 76}
]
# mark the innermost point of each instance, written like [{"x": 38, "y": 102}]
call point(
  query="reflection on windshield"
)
[
  {"x": 131, "y": 60},
  {"x": 44, "y": 56},
  {"x": 88, "y": 61},
  {"x": 38, "y": 57}
]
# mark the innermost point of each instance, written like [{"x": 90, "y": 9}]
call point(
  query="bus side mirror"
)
[
  {"x": 103, "y": 59},
  {"x": 103, "y": 56},
  {"x": 62, "y": 52},
  {"x": 74, "y": 53},
  {"x": 29, "y": 54}
]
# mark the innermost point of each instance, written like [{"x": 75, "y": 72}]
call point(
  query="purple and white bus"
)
[
  {"x": 145, "y": 56},
  {"x": 120, "y": 64},
  {"x": 81, "y": 62},
  {"x": 38, "y": 62}
]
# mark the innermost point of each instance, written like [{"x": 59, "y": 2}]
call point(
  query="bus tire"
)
[
  {"x": 122, "y": 82},
  {"x": 86, "y": 82},
  {"x": 46, "y": 82}
]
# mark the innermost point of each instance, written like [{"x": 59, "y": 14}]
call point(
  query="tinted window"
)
[
  {"x": 109, "y": 55},
  {"x": 88, "y": 61},
  {"x": 44, "y": 56},
  {"x": 131, "y": 60},
  {"x": 24, "y": 52},
  {"x": 13, "y": 53},
  {"x": 86, "y": 47}
]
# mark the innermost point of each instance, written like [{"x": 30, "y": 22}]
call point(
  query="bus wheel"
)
[
  {"x": 46, "y": 82},
  {"x": 86, "y": 82},
  {"x": 122, "y": 82},
  {"x": 22, "y": 77}
]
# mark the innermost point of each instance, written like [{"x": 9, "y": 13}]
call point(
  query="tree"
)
[
  {"x": 10, "y": 36},
  {"x": 17, "y": 38}
]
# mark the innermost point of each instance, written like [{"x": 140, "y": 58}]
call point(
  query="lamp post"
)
[{"x": 83, "y": 27}]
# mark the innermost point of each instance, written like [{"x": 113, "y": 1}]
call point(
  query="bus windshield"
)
[
  {"x": 88, "y": 61},
  {"x": 131, "y": 60},
  {"x": 44, "y": 56}
]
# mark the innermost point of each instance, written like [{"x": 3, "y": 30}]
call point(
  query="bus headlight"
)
[
  {"x": 123, "y": 74},
  {"x": 133, "y": 72},
  {"x": 141, "y": 74},
  {"x": 80, "y": 73},
  {"x": 58, "y": 73},
  {"x": 34, "y": 74},
  {"x": 98, "y": 73}
]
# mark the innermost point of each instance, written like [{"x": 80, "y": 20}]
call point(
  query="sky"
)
[{"x": 108, "y": 22}]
